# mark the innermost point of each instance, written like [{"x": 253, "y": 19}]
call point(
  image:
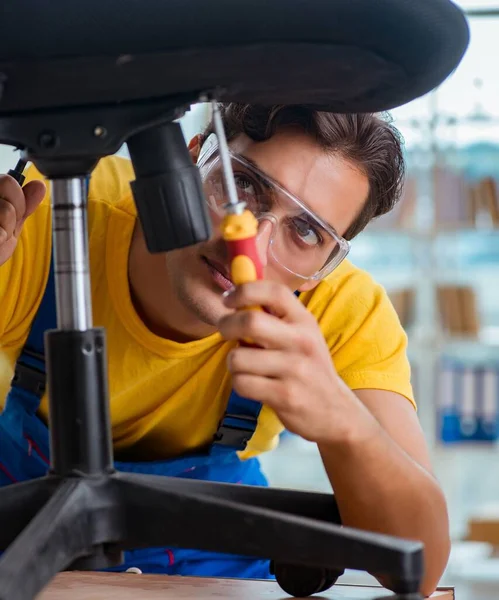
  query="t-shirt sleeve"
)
[{"x": 367, "y": 342}]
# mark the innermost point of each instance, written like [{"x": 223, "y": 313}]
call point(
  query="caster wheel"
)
[
  {"x": 404, "y": 589},
  {"x": 301, "y": 581},
  {"x": 330, "y": 579}
]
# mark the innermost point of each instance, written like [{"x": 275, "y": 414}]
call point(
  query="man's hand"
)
[
  {"x": 292, "y": 371},
  {"x": 16, "y": 205}
]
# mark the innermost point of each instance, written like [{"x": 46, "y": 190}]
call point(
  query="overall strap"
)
[
  {"x": 29, "y": 372},
  {"x": 237, "y": 425}
]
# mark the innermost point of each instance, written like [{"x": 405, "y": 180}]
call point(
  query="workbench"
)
[{"x": 127, "y": 586}]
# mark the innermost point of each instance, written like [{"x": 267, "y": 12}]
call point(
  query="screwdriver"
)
[
  {"x": 17, "y": 172},
  {"x": 239, "y": 226}
]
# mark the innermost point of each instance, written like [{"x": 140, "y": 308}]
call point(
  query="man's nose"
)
[
  {"x": 216, "y": 222},
  {"x": 263, "y": 240}
]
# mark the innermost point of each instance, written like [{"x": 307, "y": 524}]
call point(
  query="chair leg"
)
[
  {"x": 158, "y": 512},
  {"x": 56, "y": 536},
  {"x": 19, "y": 503},
  {"x": 306, "y": 504}
]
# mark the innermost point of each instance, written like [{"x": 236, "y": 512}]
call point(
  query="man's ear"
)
[{"x": 195, "y": 147}]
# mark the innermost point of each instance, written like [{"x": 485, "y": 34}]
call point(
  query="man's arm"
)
[
  {"x": 383, "y": 481},
  {"x": 371, "y": 443}
]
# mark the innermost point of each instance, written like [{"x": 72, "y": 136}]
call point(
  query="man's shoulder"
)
[
  {"x": 346, "y": 287},
  {"x": 110, "y": 183},
  {"x": 351, "y": 305},
  {"x": 362, "y": 330}
]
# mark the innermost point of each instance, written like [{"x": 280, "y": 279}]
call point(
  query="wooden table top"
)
[{"x": 128, "y": 586}]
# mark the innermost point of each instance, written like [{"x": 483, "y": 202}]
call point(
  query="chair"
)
[{"x": 77, "y": 80}]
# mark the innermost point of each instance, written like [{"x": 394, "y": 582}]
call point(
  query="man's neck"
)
[{"x": 157, "y": 324}]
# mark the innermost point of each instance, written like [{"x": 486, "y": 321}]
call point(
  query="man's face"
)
[{"x": 331, "y": 187}]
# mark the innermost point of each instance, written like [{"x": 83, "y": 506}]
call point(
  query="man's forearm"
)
[{"x": 380, "y": 488}]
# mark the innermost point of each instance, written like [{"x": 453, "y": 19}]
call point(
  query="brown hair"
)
[{"x": 369, "y": 141}]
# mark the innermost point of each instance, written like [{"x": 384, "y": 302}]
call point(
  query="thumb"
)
[{"x": 34, "y": 193}]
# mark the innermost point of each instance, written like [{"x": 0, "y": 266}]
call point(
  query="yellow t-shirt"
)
[{"x": 167, "y": 397}]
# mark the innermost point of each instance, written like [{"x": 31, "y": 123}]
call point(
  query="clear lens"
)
[
  {"x": 289, "y": 250},
  {"x": 300, "y": 241}
]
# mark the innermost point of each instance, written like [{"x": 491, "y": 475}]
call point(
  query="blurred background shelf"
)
[{"x": 438, "y": 257}]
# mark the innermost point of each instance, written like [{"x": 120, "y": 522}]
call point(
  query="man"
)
[{"x": 331, "y": 365}]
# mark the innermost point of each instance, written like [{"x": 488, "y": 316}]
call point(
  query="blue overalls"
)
[{"x": 24, "y": 455}]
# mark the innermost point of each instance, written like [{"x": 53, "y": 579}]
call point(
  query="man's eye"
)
[
  {"x": 257, "y": 197},
  {"x": 245, "y": 184},
  {"x": 306, "y": 233}
]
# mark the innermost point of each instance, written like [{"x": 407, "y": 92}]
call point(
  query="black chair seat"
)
[{"x": 338, "y": 55}]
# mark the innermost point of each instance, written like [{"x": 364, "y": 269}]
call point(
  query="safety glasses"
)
[{"x": 300, "y": 241}]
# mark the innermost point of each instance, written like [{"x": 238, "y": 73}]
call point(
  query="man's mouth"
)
[{"x": 219, "y": 272}]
